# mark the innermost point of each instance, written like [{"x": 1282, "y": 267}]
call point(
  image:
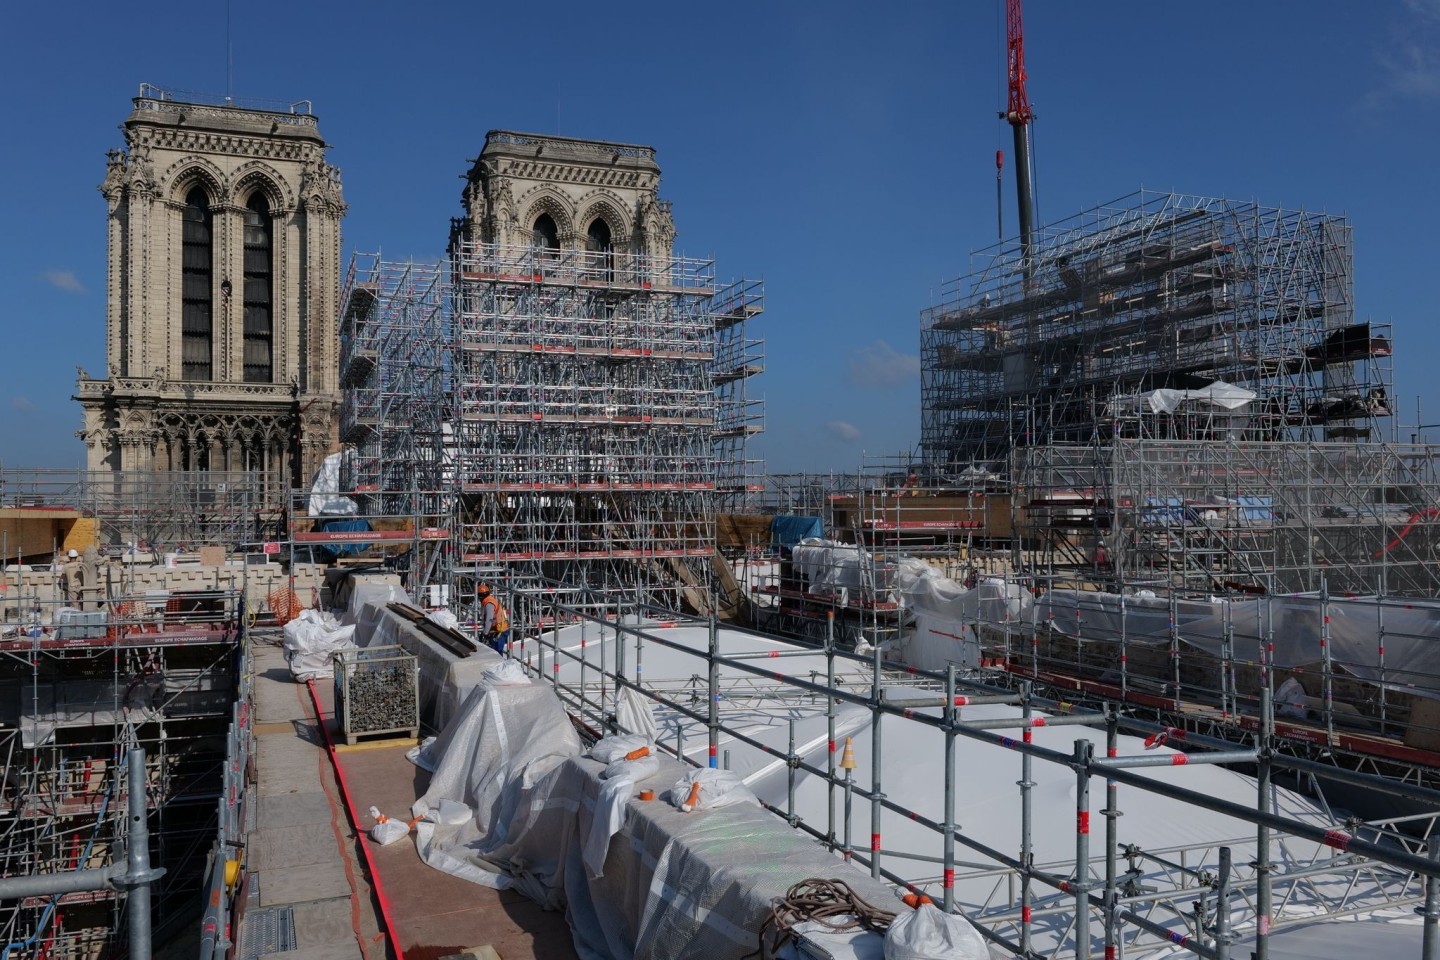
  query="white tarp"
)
[
  {"x": 946, "y": 614},
  {"x": 638, "y": 879},
  {"x": 829, "y": 567},
  {"x": 1226, "y": 396},
  {"x": 1296, "y": 624},
  {"x": 311, "y": 642},
  {"x": 497, "y": 757},
  {"x": 325, "y": 499}
]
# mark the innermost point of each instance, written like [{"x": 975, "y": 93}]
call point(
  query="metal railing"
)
[{"x": 1213, "y": 894}]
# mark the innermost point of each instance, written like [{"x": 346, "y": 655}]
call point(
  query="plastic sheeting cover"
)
[
  {"x": 946, "y": 614},
  {"x": 830, "y": 567},
  {"x": 1295, "y": 623},
  {"x": 325, "y": 499},
  {"x": 1226, "y": 396},
  {"x": 311, "y": 642},
  {"x": 496, "y": 757}
]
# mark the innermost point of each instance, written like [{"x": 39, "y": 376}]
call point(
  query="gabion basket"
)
[{"x": 377, "y": 693}]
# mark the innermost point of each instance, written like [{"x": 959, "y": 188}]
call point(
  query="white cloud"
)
[
  {"x": 21, "y": 404},
  {"x": 841, "y": 430},
  {"x": 878, "y": 367},
  {"x": 63, "y": 280},
  {"x": 1409, "y": 59}
]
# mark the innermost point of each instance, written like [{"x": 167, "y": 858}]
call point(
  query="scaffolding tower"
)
[
  {"x": 1155, "y": 290},
  {"x": 599, "y": 413},
  {"x": 394, "y": 368},
  {"x": 1218, "y": 516}
]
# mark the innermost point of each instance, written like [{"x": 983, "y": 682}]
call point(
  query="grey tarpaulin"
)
[{"x": 1410, "y": 629}]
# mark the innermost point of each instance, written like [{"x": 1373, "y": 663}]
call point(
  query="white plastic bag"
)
[
  {"x": 311, "y": 642},
  {"x": 615, "y": 747},
  {"x": 387, "y": 831},
  {"x": 928, "y": 933},
  {"x": 641, "y": 769},
  {"x": 716, "y": 788}
]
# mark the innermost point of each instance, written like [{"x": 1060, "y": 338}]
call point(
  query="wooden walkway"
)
[{"x": 304, "y": 853}]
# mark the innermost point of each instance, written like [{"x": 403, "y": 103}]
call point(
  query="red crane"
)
[{"x": 1018, "y": 114}]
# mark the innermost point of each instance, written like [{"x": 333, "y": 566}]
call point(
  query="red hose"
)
[
  {"x": 350, "y": 810},
  {"x": 1416, "y": 517}
]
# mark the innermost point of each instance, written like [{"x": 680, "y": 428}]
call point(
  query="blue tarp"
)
[
  {"x": 346, "y": 525},
  {"x": 785, "y": 532}
]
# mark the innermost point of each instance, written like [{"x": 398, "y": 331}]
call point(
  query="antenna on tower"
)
[{"x": 229, "y": 58}]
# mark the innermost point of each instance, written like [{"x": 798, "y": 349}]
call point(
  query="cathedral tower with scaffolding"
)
[{"x": 221, "y": 330}]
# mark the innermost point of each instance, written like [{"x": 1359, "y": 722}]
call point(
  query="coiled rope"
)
[{"x": 830, "y": 903}]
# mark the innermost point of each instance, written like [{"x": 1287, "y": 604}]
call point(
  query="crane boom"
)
[
  {"x": 1018, "y": 114},
  {"x": 1018, "y": 109}
]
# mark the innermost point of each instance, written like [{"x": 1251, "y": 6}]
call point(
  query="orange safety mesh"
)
[{"x": 284, "y": 604}]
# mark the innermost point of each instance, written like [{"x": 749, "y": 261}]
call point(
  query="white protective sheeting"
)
[
  {"x": 1226, "y": 396},
  {"x": 325, "y": 499},
  {"x": 946, "y": 614},
  {"x": 928, "y": 933},
  {"x": 829, "y": 567},
  {"x": 1295, "y": 623},
  {"x": 912, "y": 755},
  {"x": 639, "y": 879},
  {"x": 498, "y": 757},
  {"x": 685, "y": 886},
  {"x": 311, "y": 642},
  {"x": 376, "y": 593}
]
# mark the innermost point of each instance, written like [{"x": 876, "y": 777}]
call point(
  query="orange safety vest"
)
[{"x": 502, "y": 619}]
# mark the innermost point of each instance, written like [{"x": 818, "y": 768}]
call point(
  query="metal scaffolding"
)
[
  {"x": 1224, "y": 515},
  {"x": 79, "y": 689},
  {"x": 147, "y": 512},
  {"x": 1152, "y": 291},
  {"x": 393, "y": 367},
  {"x": 599, "y": 413},
  {"x": 1114, "y": 896}
]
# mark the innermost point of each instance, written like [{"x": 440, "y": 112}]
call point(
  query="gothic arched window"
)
[
  {"x": 259, "y": 291},
  {"x": 599, "y": 236},
  {"x": 547, "y": 235},
  {"x": 197, "y": 290},
  {"x": 597, "y": 241}
]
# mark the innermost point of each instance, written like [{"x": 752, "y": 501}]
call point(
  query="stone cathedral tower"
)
[{"x": 221, "y": 327}]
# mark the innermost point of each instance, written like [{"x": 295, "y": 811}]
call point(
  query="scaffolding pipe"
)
[
  {"x": 1222, "y": 907},
  {"x": 1084, "y": 750},
  {"x": 1431, "y": 910},
  {"x": 877, "y": 795},
  {"x": 713, "y": 636},
  {"x": 1177, "y": 759},
  {"x": 1112, "y": 817},
  {"x": 830, "y": 728},
  {"x": 950, "y": 826},
  {"x": 1027, "y": 856}
]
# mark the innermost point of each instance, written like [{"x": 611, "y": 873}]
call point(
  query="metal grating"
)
[{"x": 265, "y": 930}]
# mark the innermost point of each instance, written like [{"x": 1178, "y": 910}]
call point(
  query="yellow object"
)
[
  {"x": 847, "y": 759},
  {"x": 232, "y": 873}
]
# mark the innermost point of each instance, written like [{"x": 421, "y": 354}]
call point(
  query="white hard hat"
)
[{"x": 73, "y": 553}]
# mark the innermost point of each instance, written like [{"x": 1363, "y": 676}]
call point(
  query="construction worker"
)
[{"x": 494, "y": 621}]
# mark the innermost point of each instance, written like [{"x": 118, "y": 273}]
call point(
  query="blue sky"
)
[{"x": 843, "y": 151}]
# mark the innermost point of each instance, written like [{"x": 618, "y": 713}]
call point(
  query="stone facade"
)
[
  {"x": 520, "y": 178},
  {"x": 223, "y": 281}
]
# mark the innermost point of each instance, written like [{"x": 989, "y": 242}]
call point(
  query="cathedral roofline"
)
[
  {"x": 160, "y": 108},
  {"x": 513, "y": 143}
]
